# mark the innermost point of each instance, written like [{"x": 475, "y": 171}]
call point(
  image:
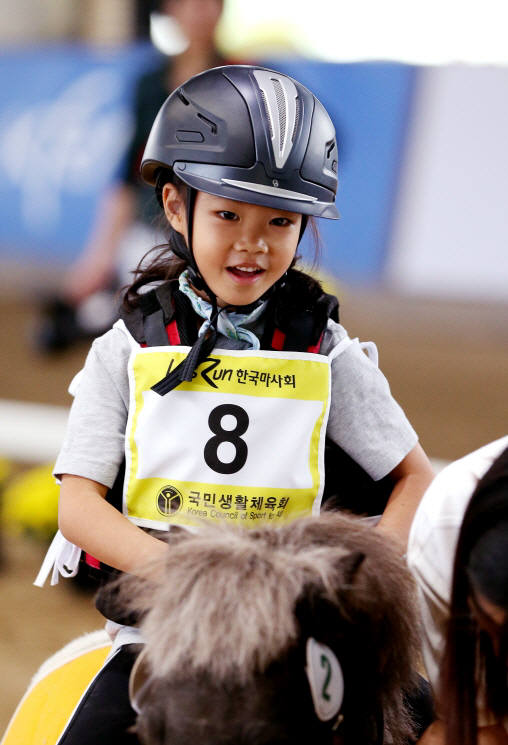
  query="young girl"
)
[{"x": 221, "y": 382}]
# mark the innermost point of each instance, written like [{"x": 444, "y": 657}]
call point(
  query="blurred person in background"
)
[
  {"x": 125, "y": 226},
  {"x": 458, "y": 552}
]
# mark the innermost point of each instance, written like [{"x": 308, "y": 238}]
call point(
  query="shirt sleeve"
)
[
  {"x": 93, "y": 445},
  {"x": 365, "y": 420}
]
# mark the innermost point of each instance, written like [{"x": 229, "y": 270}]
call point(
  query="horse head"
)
[{"x": 303, "y": 633}]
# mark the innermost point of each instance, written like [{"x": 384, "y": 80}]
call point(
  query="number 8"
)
[{"x": 223, "y": 435}]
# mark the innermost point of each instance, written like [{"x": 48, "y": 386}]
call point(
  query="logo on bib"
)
[{"x": 169, "y": 500}]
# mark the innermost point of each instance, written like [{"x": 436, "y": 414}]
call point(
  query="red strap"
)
[
  {"x": 172, "y": 332},
  {"x": 278, "y": 339},
  {"x": 92, "y": 561},
  {"x": 316, "y": 347}
]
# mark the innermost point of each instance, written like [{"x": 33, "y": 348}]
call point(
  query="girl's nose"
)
[{"x": 252, "y": 244}]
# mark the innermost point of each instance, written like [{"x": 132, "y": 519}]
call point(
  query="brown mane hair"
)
[{"x": 226, "y": 629}]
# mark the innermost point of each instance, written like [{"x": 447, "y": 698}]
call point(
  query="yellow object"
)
[
  {"x": 30, "y": 503},
  {"x": 5, "y": 469},
  {"x": 49, "y": 702}
]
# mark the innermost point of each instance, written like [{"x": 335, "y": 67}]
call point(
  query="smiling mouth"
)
[{"x": 245, "y": 272}]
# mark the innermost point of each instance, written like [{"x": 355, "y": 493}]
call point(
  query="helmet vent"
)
[
  {"x": 212, "y": 125},
  {"x": 280, "y": 99},
  {"x": 297, "y": 118},
  {"x": 263, "y": 96},
  {"x": 281, "y": 106}
]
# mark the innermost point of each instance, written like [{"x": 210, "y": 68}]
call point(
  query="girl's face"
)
[{"x": 241, "y": 249}]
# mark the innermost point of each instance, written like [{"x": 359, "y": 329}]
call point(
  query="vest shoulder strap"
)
[
  {"x": 163, "y": 316},
  {"x": 298, "y": 313}
]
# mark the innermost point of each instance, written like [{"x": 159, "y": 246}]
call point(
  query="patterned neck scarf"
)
[{"x": 230, "y": 323}]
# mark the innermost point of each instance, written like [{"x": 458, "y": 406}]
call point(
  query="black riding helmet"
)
[{"x": 249, "y": 134}]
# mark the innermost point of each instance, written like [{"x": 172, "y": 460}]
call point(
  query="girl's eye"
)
[
  {"x": 226, "y": 215},
  {"x": 281, "y": 222}
]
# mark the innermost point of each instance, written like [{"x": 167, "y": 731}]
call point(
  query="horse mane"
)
[{"x": 232, "y": 608}]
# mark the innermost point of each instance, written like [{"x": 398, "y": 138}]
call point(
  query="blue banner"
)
[
  {"x": 65, "y": 122},
  {"x": 64, "y": 125}
]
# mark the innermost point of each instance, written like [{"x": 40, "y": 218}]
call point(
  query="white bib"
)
[{"x": 243, "y": 442}]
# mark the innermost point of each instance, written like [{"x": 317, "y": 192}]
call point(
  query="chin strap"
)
[{"x": 204, "y": 344}]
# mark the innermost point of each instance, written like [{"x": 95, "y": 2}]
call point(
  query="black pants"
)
[{"x": 105, "y": 715}]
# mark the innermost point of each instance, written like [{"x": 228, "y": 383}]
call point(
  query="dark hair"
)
[
  {"x": 160, "y": 263},
  {"x": 481, "y": 564}
]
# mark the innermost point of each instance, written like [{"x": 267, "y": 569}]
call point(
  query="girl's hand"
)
[{"x": 87, "y": 520}]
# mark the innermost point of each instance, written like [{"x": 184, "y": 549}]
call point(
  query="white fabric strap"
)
[
  {"x": 371, "y": 349},
  {"x": 62, "y": 557}
]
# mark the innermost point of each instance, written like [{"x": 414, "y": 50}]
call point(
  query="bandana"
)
[{"x": 230, "y": 323}]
